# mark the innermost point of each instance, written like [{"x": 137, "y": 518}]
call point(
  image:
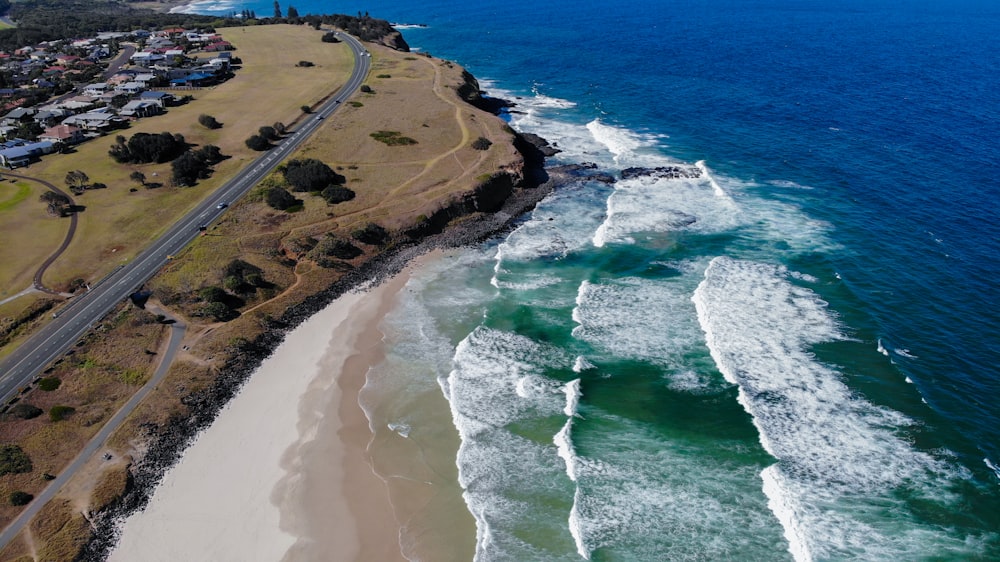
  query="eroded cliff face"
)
[{"x": 394, "y": 40}]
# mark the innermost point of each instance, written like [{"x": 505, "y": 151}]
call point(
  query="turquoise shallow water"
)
[{"x": 790, "y": 354}]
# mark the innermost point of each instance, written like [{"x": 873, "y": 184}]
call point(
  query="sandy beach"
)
[{"x": 276, "y": 476}]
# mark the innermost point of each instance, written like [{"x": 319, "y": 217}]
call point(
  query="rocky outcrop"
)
[{"x": 664, "y": 172}]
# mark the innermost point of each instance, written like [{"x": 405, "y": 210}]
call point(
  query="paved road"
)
[
  {"x": 20, "y": 367},
  {"x": 96, "y": 442}
]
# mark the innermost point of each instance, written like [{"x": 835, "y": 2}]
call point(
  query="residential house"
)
[
  {"x": 163, "y": 99},
  {"x": 18, "y": 116},
  {"x": 130, "y": 88},
  {"x": 63, "y": 135},
  {"x": 50, "y": 116},
  {"x": 219, "y": 46},
  {"x": 99, "y": 121},
  {"x": 24, "y": 154},
  {"x": 140, "y": 108},
  {"x": 95, "y": 89}
]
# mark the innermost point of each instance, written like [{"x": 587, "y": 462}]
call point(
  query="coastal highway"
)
[{"x": 19, "y": 368}]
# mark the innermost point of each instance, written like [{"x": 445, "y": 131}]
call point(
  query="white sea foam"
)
[
  {"x": 573, "y": 395},
  {"x": 881, "y": 348},
  {"x": 581, "y": 364},
  {"x": 716, "y": 188},
  {"x": 992, "y": 466},
  {"x": 207, "y": 7},
  {"x": 650, "y": 320},
  {"x": 904, "y": 353},
  {"x": 564, "y": 446},
  {"x": 575, "y": 528},
  {"x": 840, "y": 459}
]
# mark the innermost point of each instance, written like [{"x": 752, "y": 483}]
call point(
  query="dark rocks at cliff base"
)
[
  {"x": 662, "y": 172},
  {"x": 541, "y": 144},
  {"x": 586, "y": 171}
]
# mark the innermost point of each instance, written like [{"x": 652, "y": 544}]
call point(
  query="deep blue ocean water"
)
[{"x": 794, "y": 353}]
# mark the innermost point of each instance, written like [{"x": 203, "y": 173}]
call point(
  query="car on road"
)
[
  {"x": 319, "y": 117},
  {"x": 222, "y": 205}
]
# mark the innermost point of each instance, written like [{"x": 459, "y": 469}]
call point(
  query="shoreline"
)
[{"x": 169, "y": 442}]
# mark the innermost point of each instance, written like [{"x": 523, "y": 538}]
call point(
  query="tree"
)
[
  {"x": 306, "y": 109},
  {"x": 280, "y": 199},
  {"x": 258, "y": 143},
  {"x": 268, "y": 133},
  {"x": 212, "y": 294},
  {"x": 280, "y": 128},
  {"x": 53, "y": 198},
  {"x": 138, "y": 177},
  {"x": 208, "y": 122},
  {"x": 293, "y": 13},
  {"x": 277, "y": 10},
  {"x": 76, "y": 178},
  {"x": 482, "y": 143}
]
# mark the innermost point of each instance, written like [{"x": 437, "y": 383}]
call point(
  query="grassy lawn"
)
[{"x": 29, "y": 234}]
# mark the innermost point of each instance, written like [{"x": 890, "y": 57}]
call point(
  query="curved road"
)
[{"x": 72, "y": 321}]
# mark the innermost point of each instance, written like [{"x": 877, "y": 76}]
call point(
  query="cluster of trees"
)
[
  {"x": 262, "y": 140},
  {"x": 188, "y": 165},
  {"x": 48, "y": 20},
  {"x": 482, "y": 143},
  {"x": 194, "y": 165},
  {"x": 238, "y": 278},
  {"x": 372, "y": 234},
  {"x": 144, "y": 148},
  {"x": 310, "y": 175}
]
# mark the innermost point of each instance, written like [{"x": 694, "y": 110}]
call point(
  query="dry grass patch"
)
[{"x": 65, "y": 531}]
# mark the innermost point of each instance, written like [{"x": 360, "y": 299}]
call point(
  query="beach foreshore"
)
[{"x": 272, "y": 481}]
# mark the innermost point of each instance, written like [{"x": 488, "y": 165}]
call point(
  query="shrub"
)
[
  {"x": 258, "y": 143},
  {"x": 371, "y": 234},
  {"x": 392, "y": 138},
  {"x": 208, "y": 122},
  {"x": 24, "y": 411},
  {"x": 13, "y": 460},
  {"x": 305, "y": 64},
  {"x": 306, "y": 109},
  {"x": 20, "y": 498},
  {"x": 218, "y": 311},
  {"x": 365, "y": 88},
  {"x": 49, "y": 384},
  {"x": 330, "y": 37},
  {"x": 355, "y": 104},
  {"x": 384, "y": 76},
  {"x": 268, "y": 133},
  {"x": 212, "y": 294},
  {"x": 280, "y": 199},
  {"x": 482, "y": 143},
  {"x": 337, "y": 194},
  {"x": 333, "y": 246},
  {"x": 59, "y": 413}
]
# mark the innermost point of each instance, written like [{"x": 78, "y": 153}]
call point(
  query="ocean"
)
[{"x": 785, "y": 349}]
